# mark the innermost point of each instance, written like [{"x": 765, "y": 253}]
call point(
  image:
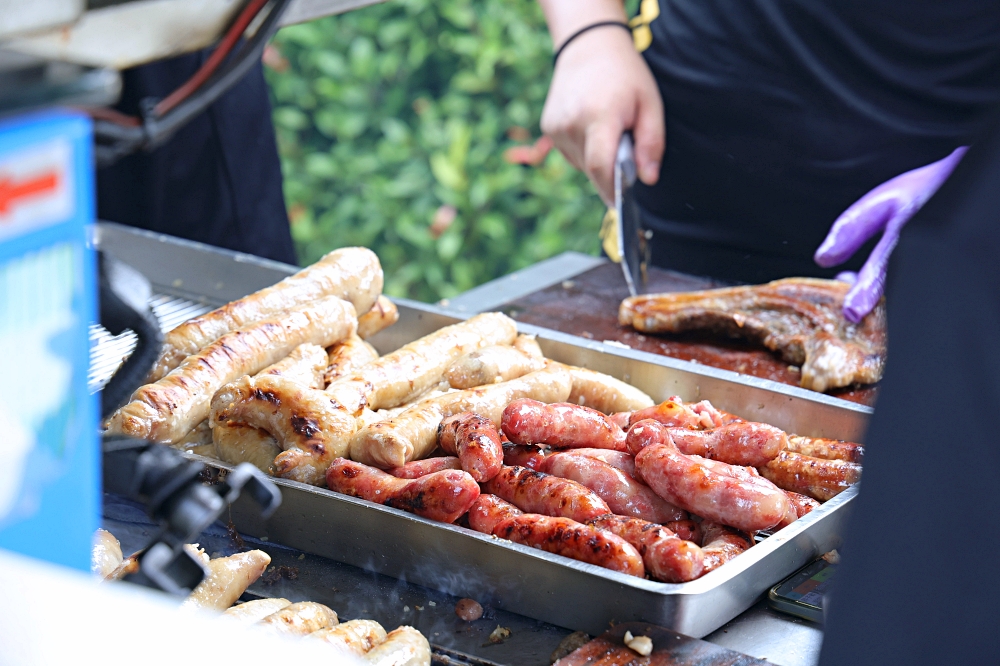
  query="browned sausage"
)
[
  {"x": 721, "y": 543},
  {"x": 561, "y": 536},
  {"x": 419, "y": 468},
  {"x": 665, "y": 556},
  {"x": 815, "y": 477},
  {"x": 798, "y": 506},
  {"x": 524, "y": 455},
  {"x": 828, "y": 449},
  {"x": 442, "y": 496},
  {"x": 476, "y": 442},
  {"x": 743, "y": 443},
  {"x": 534, "y": 492},
  {"x": 689, "y": 530},
  {"x": 562, "y": 425}
]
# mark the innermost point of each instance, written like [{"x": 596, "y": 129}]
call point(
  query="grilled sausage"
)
[
  {"x": 308, "y": 424},
  {"x": 346, "y": 357},
  {"x": 535, "y": 492},
  {"x": 711, "y": 489},
  {"x": 674, "y": 413},
  {"x": 524, "y": 455},
  {"x": 744, "y": 443},
  {"x": 476, "y": 442},
  {"x": 618, "y": 459},
  {"x": 300, "y": 619},
  {"x": 413, "y": 434},
  {"x": 721, "y": 543},
  {"x": 665, "y": 556},
  {"x": 442, "y": 496},
  {"x": 351, "y": 273},
  {"x": 689, "y": 530},
  {"x": 491, "y": 364},
  {"x": 254, "y": 611},
  {"x": 605, "y": 393},
  {"x": 382, "y": 315},
  {"x": 170, "y": 408},
  {"x": 562, "y": 536},
  {"x": 228, "y": 578},
  {"x": 622, "y": 493},
  {"x": 354, "y": 636},
  {"x": 828, "y": 449},
  {"x": 560, "y": 425},
  {"x": 404, "y": 646},
  {"x": 647, "y": 432},
  {"x": 419, "y": 468},
  {"x": 304, "y": 365},
  {"x": 105, "y": 553},
  {"x": 798, "y": 506},
  {"x": 815, "y": 477}
]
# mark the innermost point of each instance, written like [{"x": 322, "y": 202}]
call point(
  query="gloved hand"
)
[{"x": 884, "y": 209}]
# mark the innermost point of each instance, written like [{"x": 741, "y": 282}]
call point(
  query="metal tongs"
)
[{"x": 628, "y": 244}]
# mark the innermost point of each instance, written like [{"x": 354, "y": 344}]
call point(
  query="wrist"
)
[{"x": 565, "y": 17}]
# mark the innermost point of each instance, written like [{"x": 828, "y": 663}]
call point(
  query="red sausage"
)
[
  {"x": 561, "y": 536},
  {"x": 534, "y": 492},
  {"x": 476, "y": 442},
  {"x": 665, "y": 556},
  {"x": 828, "y": 449},
  {"x": 714, "y": 490},
  {"x": 689, "y": 530},
  {"x": 818, "y": 478},
  {"x": 524, "y": 455},
  {"x": 562, "y": 424},
  {"x": 798, "y": 506},
  {"x": 721, "y": 544},
  {"x": 743, "y": 443},
  {"x": 623, "y": 494},
  {"x": 672, "y": 412},
  {"x": 646, "y": 433},
  {"x": 442, "y": 496},
  {"x": 419, "y": 468},
  {"x": 623, "y": 461},
  {"x": 620, "y": 419}
]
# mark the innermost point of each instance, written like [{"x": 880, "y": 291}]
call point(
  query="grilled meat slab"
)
[{"x": 799, "y": 318}]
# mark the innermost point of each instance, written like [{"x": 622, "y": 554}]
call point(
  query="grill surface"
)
[{"x": 107, "y": 351}]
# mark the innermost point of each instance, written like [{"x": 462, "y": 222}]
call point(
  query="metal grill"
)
[{"x": 107, "y": 351}]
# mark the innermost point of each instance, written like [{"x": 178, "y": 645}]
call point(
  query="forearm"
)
[{"x": 564, "y": 17}]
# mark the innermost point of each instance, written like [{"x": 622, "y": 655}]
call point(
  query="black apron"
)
[
  {"x": 919, "y": 579},
  {"x": 217, "y": 180},
  {"x": 781, "y": 113}
]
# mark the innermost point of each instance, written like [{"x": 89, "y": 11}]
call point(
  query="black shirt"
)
[{"x": 782, "y": 113}]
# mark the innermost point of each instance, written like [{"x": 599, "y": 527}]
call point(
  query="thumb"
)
[{"x": 650, "y": 135}]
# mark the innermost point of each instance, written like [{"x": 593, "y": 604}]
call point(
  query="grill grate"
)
[{"x": 107, "y": 351}]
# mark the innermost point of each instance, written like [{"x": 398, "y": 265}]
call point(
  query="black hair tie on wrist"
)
[{"x": 599, "y": 24}]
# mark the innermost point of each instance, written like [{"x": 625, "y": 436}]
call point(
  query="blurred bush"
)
[{"x": 400, "y": 128}]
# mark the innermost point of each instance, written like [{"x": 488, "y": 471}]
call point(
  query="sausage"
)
[
  {"x": 382, "y": 315},
  {"x": 622, "y": 493},
  {"x": 354, "y": 636},
  {"x": 674, "y": 413},
  {"x": 346, "y": 357},
  {"x": 170, "y": 408},
  {"x": 828, "y": 449},
  {"x": 351, "y": 273},
  {"x": 404, "y": 646},
  {"x": 647, "y": 432},
  {"x": 744, "y": 443},
  {"x": 561, "y": 536},
  {"x": 228, "y": 578},
  {"x": 300, "y": 619},
  {"x": 105, "y": 553},
  {"x": 413, "y": 434},
  {"x": 304, "y": 365},
  {"x": 621, "y": 419},
  {"x": 528, "y": 344},
  {"x": 254, "y": 611},
  {"x": 399, "y": 377},
  {"x": 689, "y": 530},
  {"x": 419, "y": 468},
  {"x": 617, "y": 459},
  {"x": 560, "y": 425},
  {"x": 721, "y": 543},
  {"x": 308, "y": 424},
  {"x": 491, "y": 364},
  {"x": 605, "y": 393},
  {"x": 535, "y": 492},
  {"x": 711, "y": 489},
  {"x": 524, "y": 455},
  {"x": 715, "y": 416},
  {"x": 798, "y": 506},
  {"x": 196, "y": 440},
  {"x": 442, "y": 496},
  {"x": 476, "y": 442},
  {"x": 665, "y": 556},
  {"x": 237, "y": 444},
  {"x": 815, "y": 477}
]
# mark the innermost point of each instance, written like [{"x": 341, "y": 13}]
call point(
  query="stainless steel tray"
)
[{"x": 465, "y": 563}]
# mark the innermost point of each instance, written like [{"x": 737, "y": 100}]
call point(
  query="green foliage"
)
[{"x": 395, "y": 117}]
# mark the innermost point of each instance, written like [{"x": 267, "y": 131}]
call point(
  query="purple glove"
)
[{"x": 885, "y": 209}]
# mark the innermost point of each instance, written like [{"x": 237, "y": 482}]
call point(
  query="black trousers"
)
[
  {"x": 919, "y": 582},
  {"x": 217, "y": 180}
]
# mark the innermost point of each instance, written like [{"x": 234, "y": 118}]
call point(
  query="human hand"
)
[
  {"x": 886, "y": 209},
  {"x": 600, "y": 88}
]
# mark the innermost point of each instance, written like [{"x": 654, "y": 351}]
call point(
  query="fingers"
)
[
  {"x": 600, "y": 148},
  {"x": 866, "y": 217},
  {"x": 870, "y": 283},
  {"x": 649, "y": 132}
]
